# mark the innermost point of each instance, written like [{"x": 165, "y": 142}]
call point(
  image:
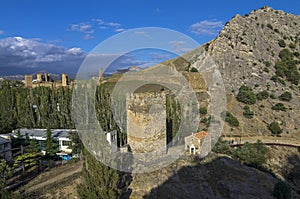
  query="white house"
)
[
  {"x": 62, "y": 136},
  {"x": 5, "y": 148},
  {"x": 111, "y": 137}
]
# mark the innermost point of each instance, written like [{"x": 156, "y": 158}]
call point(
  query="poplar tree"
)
[{"x": 99, "y": 180}]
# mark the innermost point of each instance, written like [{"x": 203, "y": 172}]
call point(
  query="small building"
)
[
  {"x": 62, "y": 136},
  {"x": 194, "y": 142},
  {"x": 5, "y": 148},
  {"x": 111, "y": 138}
]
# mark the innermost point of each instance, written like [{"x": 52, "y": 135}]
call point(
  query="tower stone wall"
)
[
  {"x": 28, "y": 81},
  {"x": 64, "y": 79},
  {"x": 146, "y": 122},
  {"x": 39, "y": 77}
]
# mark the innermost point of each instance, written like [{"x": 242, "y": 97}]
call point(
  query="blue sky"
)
[{"x": 76, "y": 27}]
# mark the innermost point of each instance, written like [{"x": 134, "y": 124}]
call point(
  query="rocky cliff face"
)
[
  {"x": 246, "y": 43},
  {"x": 246, "y": 52}
]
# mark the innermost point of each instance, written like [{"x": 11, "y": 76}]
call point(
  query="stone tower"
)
[
  {"x": 39, "y": 77},
  {"x": 28, "y": 81},
  {"x": 100, "y": 73},
  {"x": 47, "y": 77},
  {"x": 146, "y": 122},
  {"x": 64, "y": 79}
]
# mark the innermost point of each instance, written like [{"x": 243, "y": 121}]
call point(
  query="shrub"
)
[
  {"x": 272, "y": 96},
  {"x": 246, "y": 95},
  {"x": 292, "y": 45},
  {"x": 287, "y": 67},
  {"x": 222, "y": 147},
  {"x": 207, "y": 46},
  {"x": 270, "y": 26},
  {"x": 286, "y": 96},
  {"x": 297, "y": 54},
  {"x": 203, "y": 110},
  {"x": 230, "y": 119},
  {"x": 280, "y": 68},
  {"x": 282, "y": 191},
  {"x": 275, "y": 128},
  {"x": 193, "y": 69},
  {"x": 281, "y": 43},
  {"x": 266, "y": 70},
  {"x": 248, "y": 114},
  {"x": 252, "y": 154},
  {"x": 268, "y": 64},
  {"x": 262, "y": 95},
  {"x": 285, "y": 54},
  {"x": 279, "y": 107}
]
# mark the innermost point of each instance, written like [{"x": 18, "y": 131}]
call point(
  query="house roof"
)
[
  {"x": 56, "y": 133},
  {"x": 200, "y": 135}
]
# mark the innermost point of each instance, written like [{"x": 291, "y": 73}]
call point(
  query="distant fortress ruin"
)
[{"x": 45, "y": 80}]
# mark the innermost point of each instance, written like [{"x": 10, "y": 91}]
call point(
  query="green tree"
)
[
  {"x": 8, "y": 113},
  {"x": 99, "y": 180},
  {"x": 51, "y": 145},
  {"x": 222, "y": 147},
  {"x": 281, "y": 43},
  {"x": 286, "y": 96},
  {"x": 76, "y": 145},
  {"x": 194, "y": 70},
  {"x": 262, "y": 95},
  {"x": 252, "y": 154},
  {"x": 246, "y": 95},
  {"x": 33, "y": 146},
  {"x": 27, "y": 160},
  {"x": 203, "y": 110},
  {"x": 5, "y": 172},
  {"x": 230, "y": 119},
  {"x": 279, "y": 107},
  {"x": 285, "y": 55},
  {"x": 247, "y": 112},
  {"x": 275, "y": 129}
]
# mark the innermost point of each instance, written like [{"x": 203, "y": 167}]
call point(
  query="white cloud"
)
[
  {"x": 88, "y": 36},
  {"x": 159, "y": 57},
  {"x": 2, "y": 32},
  {"x": 82, "y": 27},
  {"x": 206, "y": 27},
  {"x": 113, "y": 24},
  {"x": 98, "y": 21},
  {"x": 87, "y": 28},
  {"x": 19, "y": 55},
  {"x": 119, "y": 30},
  {"x": 180, "y": 47}
]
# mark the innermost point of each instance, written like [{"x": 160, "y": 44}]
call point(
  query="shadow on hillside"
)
[
  {"x": 292, "y": 174},
  {"x": 222, "y": 177},
  {"x": 22, "y": 178}
]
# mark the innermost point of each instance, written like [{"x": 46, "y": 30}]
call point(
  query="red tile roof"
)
[{"x": 200, "y": 135}]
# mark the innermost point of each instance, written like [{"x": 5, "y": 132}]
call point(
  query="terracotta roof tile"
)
[{"x": 200, "y": 135}]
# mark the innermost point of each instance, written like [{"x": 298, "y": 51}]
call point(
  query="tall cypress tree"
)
[
  {"x": 51, "y": 144},
  {"x": 99, "y": 180}
]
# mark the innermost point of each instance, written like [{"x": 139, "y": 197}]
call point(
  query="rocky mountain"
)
[
  {"x": 258, "y": 58},
  {"x": 261, "y": 51}
]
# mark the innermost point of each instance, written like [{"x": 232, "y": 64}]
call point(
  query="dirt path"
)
[
  {"x": 61, "y": 174},
  {"x": 265, "y": 139}
]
